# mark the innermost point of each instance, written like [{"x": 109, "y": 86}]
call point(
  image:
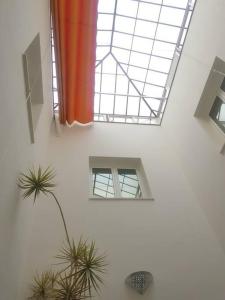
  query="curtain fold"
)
[{"x": 74, "y": 27}]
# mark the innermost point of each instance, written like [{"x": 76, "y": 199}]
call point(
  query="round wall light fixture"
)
[{"x": 139, "y": 281}]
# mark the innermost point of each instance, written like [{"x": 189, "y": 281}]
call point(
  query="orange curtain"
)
[{"x": 74, "y": 26}]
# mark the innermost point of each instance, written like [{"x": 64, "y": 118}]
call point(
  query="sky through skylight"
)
[
  {"x": 139, "y": 43},
  {"x": 138, "y": 46}
]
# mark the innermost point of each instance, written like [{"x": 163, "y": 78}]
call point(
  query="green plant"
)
[{"x": 82, "y": 267}]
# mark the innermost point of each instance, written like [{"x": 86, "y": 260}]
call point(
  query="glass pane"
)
[
  {"x": 163, "y": 49},
  {"x": 127, "y": 7},
  {"x": 124, "y": 24},
  {"x": 103, "y": 37},
  {"x": 129, "y": 184},
  {"x": 140, "y": 44},
  {"x": 176, "y": 3},
  {"x": 139, "y": 60},
  {"x": 223, "y": 85},
  {"x": 105, "y": 21},
  {"x": 148, "y": 11},
  {"x": 156, "y": 78},
  {"x": 120, "y": 105},
  {"x": 167, "y": 33},
  {"x": 160, "y": 64},
  {"x": 217, "y": 113},
  {"x": 133, "y": 106},
  {"x": 145, "y": 29},
  {"x": 102, "y": 182},
  {"x": 172, "y": 16},
  {"x": 107, "y": 102},
  {"x": 106, "y": 6}
]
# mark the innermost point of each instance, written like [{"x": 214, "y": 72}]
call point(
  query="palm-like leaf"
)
[
  {"x": 91, "y": 268},
  {"x": 84, "y": 264},
  {"x": 43, "y": 286},
  {"x": 68, "y": 288},
  {"x": 71, "y": 254},
  {"x": 36, "y": 182}
]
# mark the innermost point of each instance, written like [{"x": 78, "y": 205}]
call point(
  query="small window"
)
[
  {"x": 32, "y": 68},
  {"x": 102, "y": 182},
  {"x": 210, "y": 111},
  {"x": 129, "y": 183},
  {"x": 117, "y": 178},
  {"x": 217, "y": 113}
]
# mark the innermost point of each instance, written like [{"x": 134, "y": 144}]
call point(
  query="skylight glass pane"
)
[
  {"x": 54, "y": 83},
  {"x": 136, "y": 73},
  {"x": 133, "y": 105},
  {"x": 160, "y": 64},
  {"x": 108, "y": 83},
  {"x": 148, "y": 11},
  {"x": 122, "y": 40},
  {"x": 183, "y": 36},
  {"x": 152, "y": 90},
  {"x": 126, "y": 7},
  {"x": 139, "y": 59},
  {"x": 145, "y": 29},
  {"x": 153, "y": 1},
  {"x": 188, "y": 19},
  {"x": 109, "y": 65},
  {"x": 120, "y": 105},
  {"x": 139, "y": 85},
  {"x": 167, "y": 33},
  {"x": 96, "y": 103},
  {"x": 156, "y": 78},
  {"x": 122, "y": 85},
  {"x": 144, "y": 110},
  {"x": 176, "y": 3},
  {"x": 107, "y": 104},
  {"x": 124, "y": 24},
  {"x": 163, "y": 49},
  {"x": 142, "y": 44},
  {"x": 101, "y": 52},
  {"x": 121, "y": 55},
  {"x": 103, "y": 38},
  {"x": 97, "y": 82},
  {"x": 136, "y": 42},
  {"x": 171, "y": 16},
  {"x": 105, "y": 21},
  {"x": 106, "y": 6},
  {"x": 154, "y": 103}
]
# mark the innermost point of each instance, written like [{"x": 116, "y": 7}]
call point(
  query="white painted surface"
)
[
  {"x": 199, "y": 154},
  {"x": 171, "y": 236},
  {"x": 20, "y": 21}
]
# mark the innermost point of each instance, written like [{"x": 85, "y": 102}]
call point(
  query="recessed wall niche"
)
[{"x": 33, "y": 83}]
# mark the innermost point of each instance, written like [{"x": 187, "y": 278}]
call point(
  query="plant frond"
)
[{"x": 36, "y": 182}]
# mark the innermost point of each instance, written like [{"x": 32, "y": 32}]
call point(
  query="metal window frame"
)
[
  {"x": 155, "y": 116},
  {"x": 178, "y": 47}
]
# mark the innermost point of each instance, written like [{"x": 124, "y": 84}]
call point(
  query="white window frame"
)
[
  {"x": 210, "y": 92},
  {"x": 115, "y": 163},
  {"x": 221, "y": 96}
]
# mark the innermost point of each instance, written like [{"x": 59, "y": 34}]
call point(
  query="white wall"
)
[
  {"x": 199, "y": 155},
  {"x": 20, "y": 21},
  {"x": 169, "y": 237}
]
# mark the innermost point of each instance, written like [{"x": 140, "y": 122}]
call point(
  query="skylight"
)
[
  {"x": 139, "y": 43},
  {"x": 138, "y": 46}
]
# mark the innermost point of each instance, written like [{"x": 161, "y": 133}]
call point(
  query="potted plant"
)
[{"x": 82, "y": 267}]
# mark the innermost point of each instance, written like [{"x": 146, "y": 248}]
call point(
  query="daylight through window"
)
[{"x": 138, "y": 47}]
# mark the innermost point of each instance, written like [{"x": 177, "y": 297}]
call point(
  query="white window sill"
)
[{"x": 126, "y": 199}]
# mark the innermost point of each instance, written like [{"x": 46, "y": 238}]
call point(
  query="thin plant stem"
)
[{"x": 63, "y": 219}]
